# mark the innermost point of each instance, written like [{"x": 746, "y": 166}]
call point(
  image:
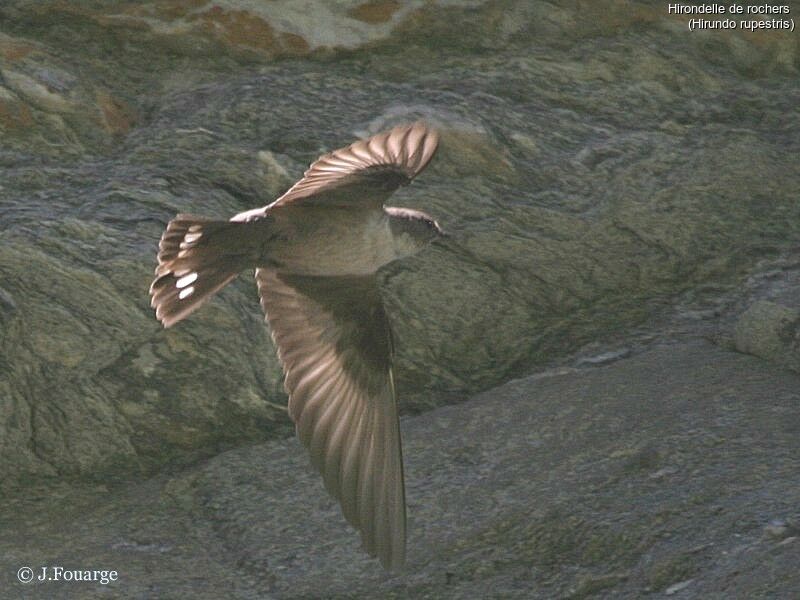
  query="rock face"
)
[
  {"x": 770, "y": 331},
  {"x": 612, "y": 181},
  {"x": 675, "y": 467}
]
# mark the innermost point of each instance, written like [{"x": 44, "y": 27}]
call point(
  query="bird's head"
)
[{"x": 412, "y": 230}]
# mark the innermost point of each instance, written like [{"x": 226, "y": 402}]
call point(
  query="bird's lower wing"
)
[{"x": 334, "y": 343}]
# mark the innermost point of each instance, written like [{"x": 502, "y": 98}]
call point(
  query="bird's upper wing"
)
[
  {"x": 334, "y": 343},
  {"x": 367, "y": 171}
]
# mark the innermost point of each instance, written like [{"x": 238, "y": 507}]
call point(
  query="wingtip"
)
[
  {"x": 422, "y": 127},
  {"x": 425, "y": 140}
]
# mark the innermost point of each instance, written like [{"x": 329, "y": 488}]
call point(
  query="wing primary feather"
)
[
  {"x": 366, "y": 172},
  {"x": 377, "y": 147},
  {"x": 349, "y": 467},
  {"x": 366, "y": 492},
  {"x": 325, "y": 420},
  {"x": 395, "y": 143},
  {"x": 313, "y": 412},
  {"x": 336, "y": 441},
  {"x": 341, "y": 396}
]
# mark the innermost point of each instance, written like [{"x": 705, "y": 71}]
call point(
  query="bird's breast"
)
[{"x": 332, "y": 242}]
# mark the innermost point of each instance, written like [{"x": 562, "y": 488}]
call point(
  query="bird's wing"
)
[
  {"x": 334, "y": 343},
  {"x": 367, "y": 171}
]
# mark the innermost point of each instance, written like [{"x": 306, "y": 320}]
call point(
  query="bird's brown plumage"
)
[
  {"x": 316, "y": 249},
  {"x": 335, "y": 347}
]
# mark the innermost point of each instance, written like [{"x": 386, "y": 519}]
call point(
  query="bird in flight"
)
[{"x": 316, "y": 251}]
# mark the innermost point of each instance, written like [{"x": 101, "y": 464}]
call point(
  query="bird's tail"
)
[{"x": 197, "y": 257}]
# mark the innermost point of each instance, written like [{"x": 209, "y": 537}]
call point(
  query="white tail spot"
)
[
  {"x": 186, "y": 280},
  {"x": 191, "y": 238},
  {"x": 185, "y": 293},
  {"x": 195, "y": 228}
]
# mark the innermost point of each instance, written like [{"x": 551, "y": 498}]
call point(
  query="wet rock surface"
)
[{"x": 616, "y": 186}]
